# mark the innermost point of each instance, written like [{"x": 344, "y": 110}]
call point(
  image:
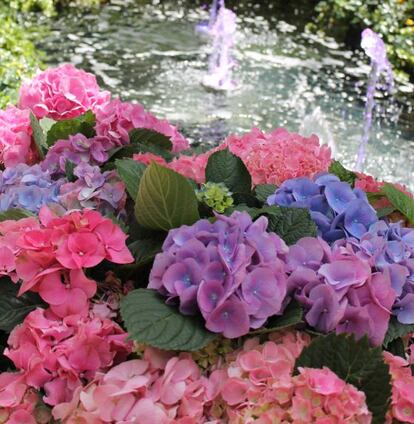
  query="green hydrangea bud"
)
[{"x": 215, "y": 195}]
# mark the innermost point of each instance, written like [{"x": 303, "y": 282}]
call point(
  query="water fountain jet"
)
[{"x": 375, "y": 49}]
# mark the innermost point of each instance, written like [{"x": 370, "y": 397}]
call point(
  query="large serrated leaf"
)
[
  {"x": 263, "y": 191},
  {"x": 149, "y": 320},
  {"x": 291, "y": 224},
  {"x": 224, "y": 167},
  {"x": 61, "y": 130},
  {"x": 165, "y": 200},
  {"x": 400, "y": 200},
  {"x": 15, "y": 214},
  {"x": 38, "y": 136},
  {"x": 130, "y": 172},
  {"x": 14, "y": 309},
  {"x": 356, "y": 363},
  {"x": 342, "y": 173},
  {"x": 396, "y": 330},
  {"x": 150, "y": 137}
]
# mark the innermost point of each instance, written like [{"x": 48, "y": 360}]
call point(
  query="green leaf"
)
[
  {"x": 14, "y": 309},
  {"x": 401, "y": 201},
  {"x": 148, "y": 319},
  {"x": 38, "y": 136},
  {"x": 46, "y": 124},
  {"x": 396, "y": 330},
  {"x": 291, "y": 224},
  {"x": 150, "y": 138},
  {"x": 356, "y": 363},
  {"x": 263, "y": 191},
  {"x": 130, "y": 172},
  {"x": 61, "y": 130},
  {"x": 144, "y": 251},
  {"x": 342, "y": 173},
  {"x": 224, "y": 167},
  {"x": 165, "y": 200},
  {"x": 15, "y": 214},
  {"x": 130, "y": 149},
  {"x": 381, "y": 213},
  {"x": 69, "y": 170},
  {"x": 292, "y": 315}
]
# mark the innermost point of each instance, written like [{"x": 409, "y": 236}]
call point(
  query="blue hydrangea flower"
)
[
  {"x": 27, "y": 187},
  {"x": 338, "y": 210}
]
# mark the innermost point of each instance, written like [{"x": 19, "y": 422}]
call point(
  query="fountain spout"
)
[
  {"x": 221, "y": 62},
  {"x": 375, "y": 49}
]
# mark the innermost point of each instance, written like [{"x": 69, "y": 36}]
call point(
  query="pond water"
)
[{"x": 150, "y": 53}]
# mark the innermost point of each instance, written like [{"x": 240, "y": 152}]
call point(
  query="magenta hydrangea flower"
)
[
  {"x": 76, "y": 149},
  {"x": 60, "y": 93},
  {"x": 339, "y": 289},
  {"x": 338, "y": 210},
  {"x": 229, "y": 270},
  {"x": 115, "y": 119}
]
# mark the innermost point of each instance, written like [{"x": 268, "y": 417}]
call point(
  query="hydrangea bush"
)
[{"x": 140, "y": 282}]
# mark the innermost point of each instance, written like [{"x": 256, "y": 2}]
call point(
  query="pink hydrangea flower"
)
[
  {"x": 116, "y": 119},
  {"x": 402, "y": 403},
  {"x": 60, "y": 93},
  {"x": 158, "y": 389},
  {"x": 57, "y": 354},
  {"x": 280, "y": 155},
  {"x": 16, "y": 137},
  {"x": 258, "y": 382},
  {"x": 147, "y": 158}
]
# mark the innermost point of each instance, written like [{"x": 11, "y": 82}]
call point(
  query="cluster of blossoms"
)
[
  {"x": 158, "y": 389},
  {"x": 280, "y": 155},
  {"x": 59, "y": 355},
  {"x": 215, "y": 195},
  {"x": 49, "y": 256},
  {"x": 93, "y": 189},
  {"x": 27, "y": 187},
  {"x": 338, "y": 210},
  {"x": 229, "y": 270},
  {"x": 389, "y": 248},
  {"x": 76, "y": 149},
  {"x": 402, "y": 403},
  {"x": 339, "y": 290},
  {"x": 257, "y": 386},
  {"x": 115, "y": 119},
  {"x": 62, "y": 93},
  {"x": 15, "y": 137}
]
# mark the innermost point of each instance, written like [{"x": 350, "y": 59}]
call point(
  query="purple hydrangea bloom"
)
[
  {"x": 338, "y": 210},
  {"x": 104, "y": 192},
  {"x": 389, "y": 247},
  {"x": 338, "y": 288},
  {"x": 230, "y": 270},
  {"x": 27, "y": 187},
  {"x": 76, "y": 149}
]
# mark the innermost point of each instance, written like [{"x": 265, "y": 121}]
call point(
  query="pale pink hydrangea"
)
[
  {"x": 20, "y": 404},
  {"x": 116, "y": 119},
  {"x": 280, "y": 155},
  {"x": 60, "y": 93},
  {"x": 402, "y": 403},
  {"x": 258, "y": 387},
  {"x": 193, "y": 167},
  {"x": 59, "y": 355},
  {"x": 158, "y": 389},
  {"x": 16, "y": 137}
]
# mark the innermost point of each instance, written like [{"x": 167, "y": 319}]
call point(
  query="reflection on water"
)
[{"x": 151, "y": 53}]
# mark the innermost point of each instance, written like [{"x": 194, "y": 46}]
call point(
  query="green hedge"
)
[{"x": 393, "y": 19}]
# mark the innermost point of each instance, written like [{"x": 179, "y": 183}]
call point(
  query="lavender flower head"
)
[
  {"x": 338, "y": 210},
  {"x": 229, "y": 270},
  {"x": 339, "y": 290},
  {"x": 76, "y": 149},
  {"x": 27, "y": 187},
  {"x": 95, "y": 190},
  {"x": 389, "y": 247}
]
